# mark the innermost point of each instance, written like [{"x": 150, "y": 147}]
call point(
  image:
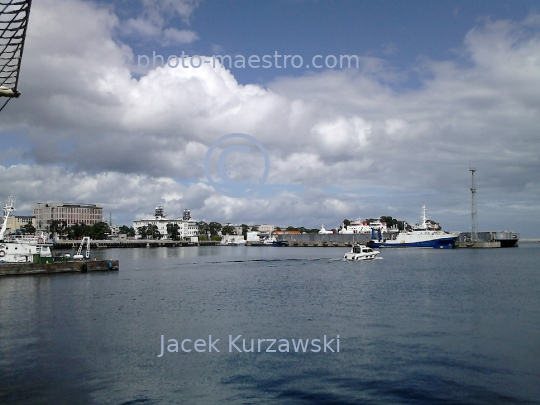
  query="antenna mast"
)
[{"x": 474, "y": 230}]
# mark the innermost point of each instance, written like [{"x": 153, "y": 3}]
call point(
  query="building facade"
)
[
  {"x": 265, "y": 228},
  {"x": 187, "y": 227},
  {"x": 15, "y": 222},
  {"x": 45, "y": 213}
]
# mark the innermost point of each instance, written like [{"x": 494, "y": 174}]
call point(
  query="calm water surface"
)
[{"x": 420, "y": 326}]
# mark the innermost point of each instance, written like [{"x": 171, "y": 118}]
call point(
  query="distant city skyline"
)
[{"x": 439, "y": 87}]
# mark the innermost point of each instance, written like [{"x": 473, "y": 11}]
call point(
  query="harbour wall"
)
[
  {"x": 328, "y": 240},
  {"x": 488, "y": 240},
  {"x": 83, "y": 266}
]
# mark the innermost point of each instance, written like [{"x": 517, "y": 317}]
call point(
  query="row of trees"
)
[
  {"x": 211, "y": 231},
  {"x": 100, "y": 230}
]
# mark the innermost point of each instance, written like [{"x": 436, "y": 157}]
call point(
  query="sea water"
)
[{"x": 418, "y": 326}]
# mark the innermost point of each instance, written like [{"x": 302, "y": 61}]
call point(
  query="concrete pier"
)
[
  {"x": 488, "y": 240},
  {"x": 82, "y": 266},
  {"x": 328, "y": 240},
  {"x": 478, "y": 244}
]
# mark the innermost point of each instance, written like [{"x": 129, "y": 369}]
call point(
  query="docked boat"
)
[
  {"x": 272, "y": 241},
  {"x": 361, "y": 252},
  {"x": 22, "y": 248},
  {"x": 234, "y": 240},
  {"x": 32, "y": 254},
  {"x": 424, "y": 235}
]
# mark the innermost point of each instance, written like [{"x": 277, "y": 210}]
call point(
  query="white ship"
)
[
  {"x": 21, "y": 248},
  {"x": 423, "y": 235}
]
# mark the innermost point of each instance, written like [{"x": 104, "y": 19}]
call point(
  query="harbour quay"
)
[
  {"x": 488, "y": 240},
  {"x": 318, "y": 240},
  {"x": 53, "y": 267}
]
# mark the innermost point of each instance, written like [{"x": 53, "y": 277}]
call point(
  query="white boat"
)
[
  {"x": 423, "y": 235},
  {"x": 323, "y": 231},
  {"x": 361, "y": 252},
  {"x": 272, "y": 241},
  {"x": 21, "y": 248},
  {"x": 233, "y": 240}
]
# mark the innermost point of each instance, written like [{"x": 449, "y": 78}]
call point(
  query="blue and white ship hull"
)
[
  {"x": 439, "y": 243},
  {"x": 421, "y": 237}
]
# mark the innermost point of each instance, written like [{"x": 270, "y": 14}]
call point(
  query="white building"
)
[
  {"x": 363, "y": 227},
  {"x": 16, "y": 222},
  {"x": 187, "y": 226},
  {"x": 265, "y": 228},
  {"x": 253, "y": 236}
]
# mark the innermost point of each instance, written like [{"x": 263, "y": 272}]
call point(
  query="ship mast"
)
[
  {"x": 474, "y": 230},
  {"x": 8, "y": 208}
]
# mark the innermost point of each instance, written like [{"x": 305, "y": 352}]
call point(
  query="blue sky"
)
[
  {"x": 441, "y": 85},
  {"x": 399, "y": 32}
]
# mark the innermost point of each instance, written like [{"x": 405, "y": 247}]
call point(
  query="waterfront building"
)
[
  {"x": 237, "y": 229},
  {"x": 15, "y": 222},
  {"x": 265, "y": 228},
  {"x": 187, "y": 227},
  {"x": 359, "y": 226},
  {"x": 72, "y": 214},
  {"x": 284, "y": 231}
]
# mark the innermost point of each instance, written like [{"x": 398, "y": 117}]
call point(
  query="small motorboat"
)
[{"x": 361, "y": 252}]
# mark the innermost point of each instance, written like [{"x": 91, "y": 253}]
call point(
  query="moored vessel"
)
[
  {"x": 32, "y": 254},
  {"x": 424, "y": 235},
  {"x": 22, "y": 248},
  {"x": 272, "y": 241}
]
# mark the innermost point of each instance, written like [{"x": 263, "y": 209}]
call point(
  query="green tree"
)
[
  {"x": 173, "y": 231},
  {"x": 99, "y": 230},
  {"x": 153, "y": 232},
  {"x": 77, "y": 231},
  {"x": 143, "y": 231},
  {"x": 204, "y": 228},
  {"x": 28, "y": 229},
  {"x": 215, "y": 228},
  {"x": 149, "y": 231},
  {"x": 245, "y": 230},
  {"x": 59, "y": 228},
  {"x": 123, "y": 229},
  {"x": 227, "y": 230},
  {"x": 129, "y": 231}
]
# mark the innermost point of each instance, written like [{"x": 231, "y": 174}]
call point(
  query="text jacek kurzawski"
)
[{"x": 238, "y": 344}]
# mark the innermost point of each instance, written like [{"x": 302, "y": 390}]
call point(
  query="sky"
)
[{"x": 438, "y": 88}]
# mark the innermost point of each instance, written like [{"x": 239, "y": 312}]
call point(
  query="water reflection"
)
[{"x": 419, "y": 326}]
